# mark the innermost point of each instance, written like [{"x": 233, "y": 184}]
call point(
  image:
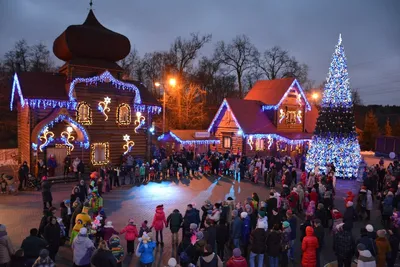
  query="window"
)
[
  {"x": 290, "y": 117},
  {"x": 124, "y": 114},
  {"x": 100, "y": 153},
  {"x": 84, "y": 113},
  {"x": 226, "y": 142},
  {"x": 259, "y": 144}
]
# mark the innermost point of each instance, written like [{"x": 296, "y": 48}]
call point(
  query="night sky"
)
[{"x": 309, "y": 29}]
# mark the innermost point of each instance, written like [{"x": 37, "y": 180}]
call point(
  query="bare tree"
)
[
  {"x": 22, "y": 54},
  {"x": 356, "y": 98},
  {"x": 237, "y": 56},
  {"x": 39, "y": 58},
  {"x": 130, "y": 63}
]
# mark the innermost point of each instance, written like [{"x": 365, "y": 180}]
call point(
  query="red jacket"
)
[
  {"x": 314, "y": 197},
  {"x": 159, "y": 220},
  {"x": 236, "y": 262},
  {"x": 131, "y": 232},
  {"x": 293, "y": 198},
  {"x": 309, "y": 247}
]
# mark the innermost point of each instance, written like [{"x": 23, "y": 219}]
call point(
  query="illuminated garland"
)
[
  {"x": 79, "y": 118},
  {"x": 50, "y": 103},
  {"x": 224, "y": 105},
  {"x": 139, "y": 122},
  {"x": 59, "y": 118},
  {"x": 34, "y": 146},
  {"x": 148, "y": 109},
  {"x": 189, "y": 142},
  {"x": 128, "y": 144},
  {"x": 279, "y": 138},
  {"x": 282, "y": 115},
  {"x": 250, "y": 141},
  {"x": 106, "y": 146},
  {"x": 67, "y": 138},
  {"x": 46, "y": 136},
  {"x": 122, "y": 122},
  {"x": 103, "y": 107},
  {"x": 299, "y": 116},
  {"x": 104, "y": 78},
  {"x": 16, "y": 87},
  {"x": 270, "y": 141}
]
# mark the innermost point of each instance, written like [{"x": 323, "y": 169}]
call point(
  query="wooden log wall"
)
[{"x": 24, "y": 133}]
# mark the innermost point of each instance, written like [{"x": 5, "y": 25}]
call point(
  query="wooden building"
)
[
  {"x": 275, "y": 118},
  {"x": 86, "y": 110}
]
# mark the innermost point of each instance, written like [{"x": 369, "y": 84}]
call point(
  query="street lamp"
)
[
  {"x": 315, "y": 96},
  {"x": 172, "y": 82}
]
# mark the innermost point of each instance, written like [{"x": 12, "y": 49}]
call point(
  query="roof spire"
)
[{"x": 91, "y": 4}]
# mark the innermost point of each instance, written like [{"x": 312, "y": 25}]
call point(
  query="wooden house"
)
[
  {"x": 86, "y": 110},
  {"x": 274, "y": 118}
]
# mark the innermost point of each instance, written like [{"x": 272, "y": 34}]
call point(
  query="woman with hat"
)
[
  {"x": 47, "y": 198},
  {"x": 159, "y": 222}
]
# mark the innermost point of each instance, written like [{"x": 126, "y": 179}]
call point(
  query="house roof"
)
[
  {"x": 270, "y": 92},
  {"x": 43, "y": 85}
]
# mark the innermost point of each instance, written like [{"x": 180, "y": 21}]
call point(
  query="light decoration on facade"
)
[
  {"x": 121, "y": 120},
  {"x": 84, "y": 113},
  {"x": 226, "y": 106},
  {"x": 299, "y": 116},
  {"x": 16, "y": 87},
  {"x": 105, "y": 77},
  {"x": 103, "y": 107},
  {"x": 46, "y": 136},
  {"x": 104, "y": 146},
  {"x": 50, "y": 103},
  {"x": 139, "y": 122},
  {"x": 298, "y": 100},
  {"x": 281, "y": 146},
  {"x": 282, "y": 115},
  {"x": 147, "y": 108},
  {"x": 189, "y": 142},
  {"x": 330, "y": 144},
  {"x": 300, "y": 90},
  {"x": 152, "y": 128},
  {"x": 68, "y": 138},
  {"x": 64, "y": 117},
  {"x": 279, "y": 138},
  {"x": 270, "y": 141},
  {"x": 250, "y": 141},
  {"x": 128, "y": 144},
  {"x": 34, "y": 146}
]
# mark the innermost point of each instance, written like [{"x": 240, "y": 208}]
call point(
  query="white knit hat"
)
[
  {"x": 172, "y": 262},
  {"x": 243, "y": 214},
  {"x": 369, "y": 228}
]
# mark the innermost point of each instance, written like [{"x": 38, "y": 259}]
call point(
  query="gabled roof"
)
[
  {"x": 247, "y": 114},
  {"x": 273, "y": 92}
]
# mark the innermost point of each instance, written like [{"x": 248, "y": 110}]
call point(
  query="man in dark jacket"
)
[
  {"x": 222, "y": 237},
  {"x": 293, "y": 234},
  {"x": 236, "y": 229},
  {"x": 258, "y": 239},
  {"x": 192, "y": 215},
  {"x": 344, "y": 245},
  {"x": 368, "y": 242},
  {"x": 350, "y": 215},
  {"x": 211, "y": 234},
  {"x": 272, "y": 204},
  {"x": 32, "y": 245},
  {"x": 319, "y": 233},
  {"x": 174, "y": 221}
]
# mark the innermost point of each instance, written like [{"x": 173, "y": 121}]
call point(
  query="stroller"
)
[
  {"x": 33, "y": 183},
  {"x": 11, "y": 186}
]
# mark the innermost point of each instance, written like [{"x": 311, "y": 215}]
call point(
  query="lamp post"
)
[{"x": 172, "y": 83}]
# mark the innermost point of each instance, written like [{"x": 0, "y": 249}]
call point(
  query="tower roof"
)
[{"x": 91, "y": 40}]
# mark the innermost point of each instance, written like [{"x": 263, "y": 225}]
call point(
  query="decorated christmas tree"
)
[{"x": 335, "y": 138}]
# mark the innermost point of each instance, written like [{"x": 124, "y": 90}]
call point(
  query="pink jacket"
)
[
  {"x": 159, "y": 219},
  {"x": 131, "y": 232}
]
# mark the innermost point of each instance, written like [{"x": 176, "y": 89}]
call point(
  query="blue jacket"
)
[
  {"x": 146, "y": 251},
  {"x": 246, "y": 230},
  {"x": 236, "y": 229}
]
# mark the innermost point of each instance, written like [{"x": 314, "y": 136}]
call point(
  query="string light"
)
[
  {"x": 50, "y": 103},
  {"x": 84, "y": 107},
  {"x": 46, "y": 137},
  {"x": 279, "y": 138},
  {"x": 152, "y": 128},
  {"x": 16, "y": 87},
  {"x": 106, "y": 147},
  {"x": 250, "y": 141},
  {"x": 124, "y": 120},
  {"x": 104, "y": 78},
  {"x": 147, "y": 108},
  {"x": 139, "y": 122},
  {"x": 335, "y": 138},
  {"x": 224, "y": 106},
  {"x": 189, "y": 142},
  {"x": 128, "y": 144},
  {"x": 299, "y": 116},
  {"x": 103, "y": 107},
  {"x": 270, "y": 141},
  {"x": 34, "y": 146},
  {"x": 67, "y": 138},
  {"x": 282, "y": 115}
]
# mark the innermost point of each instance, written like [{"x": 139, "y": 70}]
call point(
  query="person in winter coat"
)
[
  {"x": 83, "y": 190},
  {"x": 262, "y": 220},
  {"x": 293, "y": 199},
  {"x": 83, "y": 249},
  {"x": 368, "y": 242},
  {"x": 52, "y": 236},
  {"x": 293, "y": 233},
  {"x": 130, "y": 236},
  {"x": 32, "y": 245},
  {"x": 236, "y": 229},
  {"x": 319, "y": 232},
  {"x": 383, "y": 247},
  {"x": 215, "y": 214},
  {"x": 175, "y": 221},
  {"x": 350, "y": 215},
  {"x": 159, "y": 222},
  {"x": 258, "y": 239},
  {"x": 369, "y": 204},
  {"x": 205, "y": 208},
  {"x": 344, "y": 245},
  {"x": 116, "y": 249},
  {"x": 210, "y": 234},
  {"x": 272, "y": 203},
  {"x": 285, "y": 243},
  {"x": 144, "y": 228},
  {"x": 209, "y": 258},
  {"x": 394, "y": 241},
  {"x": 103, "y": 257},
  {"x": 6, "y": 247},
  {"x": 222, "y": 238},
  {"x": 44, "y": 260},
  {"x": 237, "y": 260},
  {"x": 146, "y": 248},
  {"x": 273, "y": 242},
  {"x": 365, "y": 258},
  {"x": 309, "y": 247},
  {"x": 108, "y": 231},
  {"x": 47, "y": 198},
  {"x": 191, "y": 216},
  {"x": 246, "y": 230}
]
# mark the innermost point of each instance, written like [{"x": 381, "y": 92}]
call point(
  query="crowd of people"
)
[{"x": 238, "y": 233}]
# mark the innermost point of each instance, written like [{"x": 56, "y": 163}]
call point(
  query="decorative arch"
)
[
  {"x": 58, "y": 116},
  {"x": 84, "y": 113},
  {"x": 124, "y": 114}
]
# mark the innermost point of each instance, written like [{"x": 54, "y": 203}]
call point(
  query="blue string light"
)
[
  {"x": 147, "y": 108},
  {"x": 223, "y": 106},
  {"x": 50, "y": 103},
  {"x": 278, "y": 138},
  {"x": 340, "y": 148},
  {"x": 16, "y": 86},
  {"x": 189, "y": 142},
  {"x": 105, "y": 77}
]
